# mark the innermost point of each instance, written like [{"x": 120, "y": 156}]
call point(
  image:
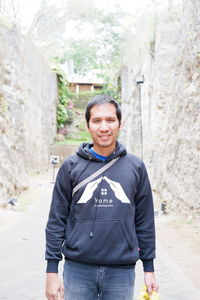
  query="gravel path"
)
[{"x": 22, "y": 267}]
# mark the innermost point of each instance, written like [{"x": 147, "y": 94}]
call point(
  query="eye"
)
[{"x": 95, "y": 121}]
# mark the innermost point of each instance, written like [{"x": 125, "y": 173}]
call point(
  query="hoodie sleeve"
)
[
  {"x": 55, "y": 228},
  {"x": 144, "y": 221}
]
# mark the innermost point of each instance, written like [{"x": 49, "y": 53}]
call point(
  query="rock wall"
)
[
  {"x": 28, "y": 94},
  {"x": 170, "y": 101}
]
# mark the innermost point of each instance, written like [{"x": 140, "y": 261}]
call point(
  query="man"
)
[{"x": 102, "y": 225}]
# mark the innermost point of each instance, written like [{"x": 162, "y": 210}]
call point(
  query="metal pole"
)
[
  {"x": 54, "y": 166},
  {"x": 54, "y": 160},
  {"x": 141, "y": 127}
]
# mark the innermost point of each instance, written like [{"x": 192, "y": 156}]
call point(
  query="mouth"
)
[{"x": 105, "y": 137}]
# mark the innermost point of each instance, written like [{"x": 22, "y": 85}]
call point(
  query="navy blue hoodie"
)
[{"x": 110, "y": 220}]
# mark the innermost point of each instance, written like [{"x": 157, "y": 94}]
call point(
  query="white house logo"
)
[
  {"x": 104, "y": 192},
  {"x": 92, "y": 186}
]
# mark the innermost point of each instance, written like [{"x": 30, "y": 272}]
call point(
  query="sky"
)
[
  {"x": 127, "y": 5},
  {"x": 28, "y": 8}
]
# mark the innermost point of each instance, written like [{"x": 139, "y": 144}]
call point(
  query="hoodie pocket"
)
[{"x": 110, "y": 243}]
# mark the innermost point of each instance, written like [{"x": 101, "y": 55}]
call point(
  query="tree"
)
[{"x": 100, "y": 48}]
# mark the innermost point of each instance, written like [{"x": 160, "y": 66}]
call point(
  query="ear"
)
[{"x": 121, "y": 125}]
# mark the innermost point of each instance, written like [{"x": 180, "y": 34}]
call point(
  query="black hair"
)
[{"x": 100, "y": 99}]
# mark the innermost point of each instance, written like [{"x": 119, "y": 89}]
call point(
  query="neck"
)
[{"x": 103, "y": 151}]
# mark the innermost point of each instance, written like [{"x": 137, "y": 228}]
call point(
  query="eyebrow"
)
[{"x": 100, "y": 117}]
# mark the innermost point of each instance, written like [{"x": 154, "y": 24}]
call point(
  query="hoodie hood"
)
[{"x": 84, "y": 152}]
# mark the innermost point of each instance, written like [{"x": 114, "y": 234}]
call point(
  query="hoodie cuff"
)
[
  {"x": 148, "y": 265},
  {"x": 52, "y": 266}
]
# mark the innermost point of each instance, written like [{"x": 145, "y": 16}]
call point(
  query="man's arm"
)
[
  {"x": 55, "y": 232},
  {"x": 150, "y": 282},
  {"x": 54, "y": 287},
  {"x": 145, "y": 228}
]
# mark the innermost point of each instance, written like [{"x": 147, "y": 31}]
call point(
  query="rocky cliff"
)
[
  {"x": 28, "y": 93},
  {"x": 169, "y": 58}
]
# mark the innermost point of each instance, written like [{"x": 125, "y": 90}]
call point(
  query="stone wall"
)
[
  {"x": 170, "y": 99},
  {"x": 28, "y": 95}
]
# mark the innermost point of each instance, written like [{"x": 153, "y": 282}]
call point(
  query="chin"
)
[{"x": 106, "y": 144}]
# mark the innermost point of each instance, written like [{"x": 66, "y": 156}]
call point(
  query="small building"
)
[{"x": 79, "y": 84}]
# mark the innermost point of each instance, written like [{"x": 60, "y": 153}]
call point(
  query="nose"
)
[{"x": 104, "y": 126}]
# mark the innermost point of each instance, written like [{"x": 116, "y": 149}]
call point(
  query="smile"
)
[{"x": 104, "y": 137}]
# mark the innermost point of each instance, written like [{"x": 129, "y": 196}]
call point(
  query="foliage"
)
[
  {"x": 81, "y": 135},
  {"x": 111, "y": 89},
  {"x": 64, "y": 114},
  {"x": 65, "y": 97},
  {"x": 82, "y": 99},
  {"x": 3, "y": 105},
  {"x": 72, "y": 141},
  {"x": 93, "y": 43},
  {"x": 83, "y": 54},
  {"x": 96, "y": 54},
  {"x": 6, "y": 23},
  {"x": 97, "y": 50}
]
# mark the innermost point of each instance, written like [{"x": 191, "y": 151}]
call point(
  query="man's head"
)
[
  {"x": 100, "y": 99},
  {"x": 103, "y": 116}
]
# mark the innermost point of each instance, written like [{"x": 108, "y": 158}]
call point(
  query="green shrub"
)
[
  {"x": 80, "y": 101},
  {"x": 64, "y": 113}
]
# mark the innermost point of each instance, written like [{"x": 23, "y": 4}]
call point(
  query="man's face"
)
[{"x": 104, "y": 126}]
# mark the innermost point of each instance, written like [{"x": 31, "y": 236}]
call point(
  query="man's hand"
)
[
  {"x": 54, "y": 287},
  {"x": 89, "y": 189},
  {"x": 150, "y": 282},
  {"x": 118, "y": 190}
]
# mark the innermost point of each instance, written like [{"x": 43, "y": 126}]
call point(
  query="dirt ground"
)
[{"x": 181, "y": 238}]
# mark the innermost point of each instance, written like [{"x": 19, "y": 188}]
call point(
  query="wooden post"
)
[{"x": 77, "y": 90}]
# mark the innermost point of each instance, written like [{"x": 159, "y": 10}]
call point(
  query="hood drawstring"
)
[{"x": 95, "y": 213}]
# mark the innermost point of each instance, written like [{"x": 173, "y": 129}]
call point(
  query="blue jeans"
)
[{"x": 94, "y": 282}]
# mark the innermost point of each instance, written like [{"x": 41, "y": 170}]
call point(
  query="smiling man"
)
[
  {"x": 104, "y": 126},
  {"x": 101, "y": 217}
]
